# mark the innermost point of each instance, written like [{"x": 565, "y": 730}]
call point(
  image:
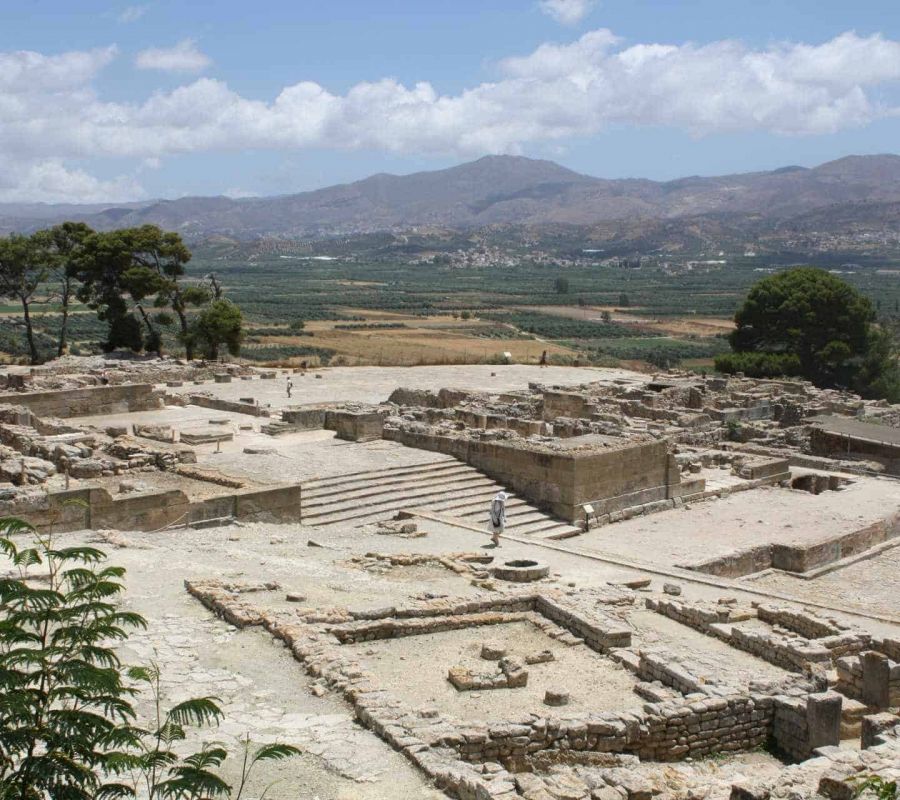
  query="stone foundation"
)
[
  {"x": 88, "y": 400},
  {"x": 476, "y": 761}
]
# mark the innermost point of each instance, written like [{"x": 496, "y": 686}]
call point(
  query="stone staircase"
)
[
  {"x": 446, "y": 487},
  {"x": 276, "y": 426}
]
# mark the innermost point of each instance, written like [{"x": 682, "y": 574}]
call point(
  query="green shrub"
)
[
  {"x": 282, "y": 352},
  {"x": 760, "y": 365}
]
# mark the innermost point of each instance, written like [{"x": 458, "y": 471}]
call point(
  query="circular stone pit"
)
[{"x": 521, "y": 570}]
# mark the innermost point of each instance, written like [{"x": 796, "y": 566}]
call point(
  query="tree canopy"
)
[
  {"x": 220, "y": 323},
  {"x": 25, "y": 263},
  {"x": 808, "y": 322},
  {"x": 134, "y": 278}
]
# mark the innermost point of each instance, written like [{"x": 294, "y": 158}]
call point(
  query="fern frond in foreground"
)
[{"x": 68, "y": 725}]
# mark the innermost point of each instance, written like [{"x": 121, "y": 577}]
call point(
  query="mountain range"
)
[{"x": 501, "y": 190}]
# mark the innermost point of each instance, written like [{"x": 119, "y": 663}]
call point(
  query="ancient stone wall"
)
[
  {"x": 217, "y": 403},
  {"x": 356, "y": 426},
  {"x": 802, "y": 724},
  {"x": 96, "y": 508},
  {"x": 800, "y": 557},
  {"x": 609, "y": 474},
  {"x": 870, "y": 677},
  {"x": 833, "y": 444},
  {"x": 564, "y": 404},
  {"x": 88, "y": 401},
  {"x": 793, "y": 643}
]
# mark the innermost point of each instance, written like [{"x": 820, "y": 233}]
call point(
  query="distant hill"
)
[{"x": 501, "y": 190}]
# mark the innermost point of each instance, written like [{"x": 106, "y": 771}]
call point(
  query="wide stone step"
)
[
  {"x": 475, "y": 507},
  {"x": 535, "y": 526},
  {"x": 563, "y": 530},
  {"x": 387, "y": 472},
  {"x": 412, "y": 491},
  {"x": 362, "y": 485},
  {"x": 378, "y": 509}
]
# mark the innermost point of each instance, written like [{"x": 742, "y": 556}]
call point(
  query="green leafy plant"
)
[
  {"x": 68, "y": 726},
  {"x": 878, "y": 786}
]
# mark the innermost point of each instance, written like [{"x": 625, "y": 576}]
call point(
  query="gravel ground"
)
[
  {"x": 375, "y": 384},
  {"x": 592, "y": 681},
  {"x": 309, "y": 455}
]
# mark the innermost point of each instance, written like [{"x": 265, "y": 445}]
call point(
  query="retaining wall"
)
[
  {"x": 611, "y": 476},
  {"x": 234, "y": 406},
  {"x": 802, "y": 556},
  {"x": 95, "y": 508},
  {"x": 88, "y": 401}
]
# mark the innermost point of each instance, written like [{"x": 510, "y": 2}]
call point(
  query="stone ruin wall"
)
[
  {"x": 696, "y": 725},
  {"x": 870, "y": 677},
  {"x": 609, "y": 478},
  {"x": 88, "y": 401},
  {"x": 831, "y": 444},
  {"x": 96, "y": 508},
  {"x": 802, "y": 557}
]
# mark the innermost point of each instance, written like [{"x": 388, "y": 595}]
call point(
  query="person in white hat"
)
[{"x": 498, "y": 516}]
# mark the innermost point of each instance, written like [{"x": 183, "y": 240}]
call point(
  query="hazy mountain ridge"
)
[{"x": 501, "y": 190}]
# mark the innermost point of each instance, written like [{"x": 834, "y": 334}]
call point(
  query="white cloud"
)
[
  {"x": 183, "y": 57},
  {"x": 50, "y": 181},
  {"x": 131, "y": 14},
  {"x": 50, "y": 112},
  {"x": 567, "y": 12}
]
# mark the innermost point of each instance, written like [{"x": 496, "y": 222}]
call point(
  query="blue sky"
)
[{"x": 100, "y": 100}]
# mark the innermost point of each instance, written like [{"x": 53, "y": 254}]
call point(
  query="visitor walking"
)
[
  {"x": 543, "y": 362},
  {"x": 498, "y": 517},
  {"x": 290, "y": 386}
]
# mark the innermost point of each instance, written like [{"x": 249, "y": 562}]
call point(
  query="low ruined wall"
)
[
  {"x": 428, "y": 398},
  {"x": 662, "y": 732},
  {"x": 600, "y": 636},
  {"x": 870, "y": 677},
  {"x": 810, "y": 640},
  {"x": 672, "y": 731},
  {"x": 805, "y": 557},
  {"x": 841, "y": 445},
  {"x": 800, "y": 557},
  {"x": 802, "y": 724},
  {"x": 96, "y": 508},
  {"x": 803, "y": 623},
  {"x": 736, "y": 564},
  {"x": 87, "y": 401},
  {"x": 234, "y": 406},
  {"x": 564, "y": 404}
]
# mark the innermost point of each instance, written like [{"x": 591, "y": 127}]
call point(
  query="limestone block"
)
[
  {"x": 873, "y": 725},
  {"x": 823, "y": 718},
  {"x": 876, "y": 676},
  {"x": 492, "y": 652},
  {"x": 554, "y": 697}
]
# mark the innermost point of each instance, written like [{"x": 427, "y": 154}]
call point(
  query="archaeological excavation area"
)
[{"x": 695, "y": 594}]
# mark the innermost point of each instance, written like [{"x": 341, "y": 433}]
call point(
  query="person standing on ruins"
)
[
  {"x": 543, "y": 362},
  {"x": 290, "y": 386},
  {"x": 498, "y": 517}
]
